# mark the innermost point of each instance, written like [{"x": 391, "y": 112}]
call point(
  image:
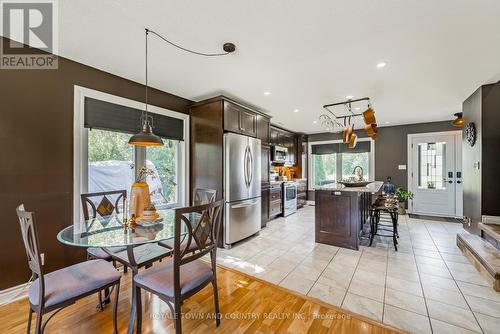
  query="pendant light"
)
[
  {"x": 459, "y": 121},
  {"x": 146, "y": 137}
]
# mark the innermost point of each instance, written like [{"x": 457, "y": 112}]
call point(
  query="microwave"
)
[{"x": 278, "y": 154}]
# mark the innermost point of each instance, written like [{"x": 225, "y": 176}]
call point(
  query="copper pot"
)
[
  {"x": 369, "y": 116},
  {"x": 371, "y": 129},
  {"x": 353, "y": 140},
  {"x": 347, "y": 134}
]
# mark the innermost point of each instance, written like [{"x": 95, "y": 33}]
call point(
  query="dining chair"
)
[
  {"x": 200, "y": 196},
  {"x": 58, "y": 289},
  {"x": 186, "y": 273},
  {"x": 101, "y": 203}
]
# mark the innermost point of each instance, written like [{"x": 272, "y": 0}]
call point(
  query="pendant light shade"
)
[
  {"x": 146, "y": 137},
  {"x": 459, "y": 121}
]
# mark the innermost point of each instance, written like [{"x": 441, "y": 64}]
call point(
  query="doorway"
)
[{"x": 435, "y": 173}]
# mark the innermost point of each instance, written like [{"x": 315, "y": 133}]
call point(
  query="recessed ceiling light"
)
[
  {"x": 381, "y": 64},
  {"x": 295, "y": 110},
  {"x": 387, "y": 122},
  {"x": 267, "y": 93},
  {"x": 349, "y": 97},
  {"x": 357, "y": 108},
  {"x": 315, "y": 122}
]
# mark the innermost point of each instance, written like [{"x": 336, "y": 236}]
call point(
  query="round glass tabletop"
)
[{"x": 109, "y": 232}]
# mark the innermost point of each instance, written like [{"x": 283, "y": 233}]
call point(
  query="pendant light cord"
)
[{"x": 185, "y": 49}]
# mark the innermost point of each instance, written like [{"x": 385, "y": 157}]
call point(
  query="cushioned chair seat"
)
[
  {"x": 161, "y": 278},
  {"x": 170, "y": 244},
  {"x": 99, "y": 253},
  {"x": 70, "y": 282}
]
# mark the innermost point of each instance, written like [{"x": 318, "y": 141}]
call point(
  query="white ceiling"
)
[{"x": 306, "y": 53}]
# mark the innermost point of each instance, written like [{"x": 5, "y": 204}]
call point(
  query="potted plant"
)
[{"x": 403, "y": 196}]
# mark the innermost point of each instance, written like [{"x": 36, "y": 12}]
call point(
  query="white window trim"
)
[
  {"x": 80, "y": 138},
  {"x": 310, "y": 160}
]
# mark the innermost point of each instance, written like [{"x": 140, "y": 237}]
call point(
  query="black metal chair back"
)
[
  {"x": 103, "y": 203},
  {"x": 31, "y": 244},
  {"x": 204, "y": 196},
  {"x": 202, "y": 224}
]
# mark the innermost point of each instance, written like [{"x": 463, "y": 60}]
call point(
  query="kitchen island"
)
[{"x": 340, "y": 213}]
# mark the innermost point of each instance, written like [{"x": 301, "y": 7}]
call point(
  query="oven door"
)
[{"x": 290, "y": 192}]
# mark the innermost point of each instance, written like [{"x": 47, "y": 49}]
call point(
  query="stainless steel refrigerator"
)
[{"x": 242, "y": 211}]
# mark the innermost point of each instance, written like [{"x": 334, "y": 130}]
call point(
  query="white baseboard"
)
[{"x": 10, "y": 295}]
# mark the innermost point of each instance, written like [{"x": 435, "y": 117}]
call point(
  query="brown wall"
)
[
  {"x": 391, "y": 148},
  {"x": 36, "y": 133}
]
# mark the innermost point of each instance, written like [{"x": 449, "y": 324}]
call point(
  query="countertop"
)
[{"x": 370, "y": 188}]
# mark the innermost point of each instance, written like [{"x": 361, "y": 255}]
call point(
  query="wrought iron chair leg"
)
[
  {"x": 30, "y": 316},
  {"x": 115, "y": 308},
  {"x": 138, "y": 309},
  {"x": 216, "y": 301},
  {"x": 38, "y": 326},
  {"x": 177, "y": 317},
  {"x": 99, "y": 306}
]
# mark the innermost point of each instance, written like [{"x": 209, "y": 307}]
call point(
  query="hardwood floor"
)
[{"x": 247, "y": 305}]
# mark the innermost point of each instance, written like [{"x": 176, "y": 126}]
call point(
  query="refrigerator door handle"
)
[
  {"x": 244, "y": 205},
  {"x": 245, "y": 167},
  {"x": 250, "y": 169}
]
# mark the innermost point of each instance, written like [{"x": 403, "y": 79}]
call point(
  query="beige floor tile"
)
[
  {"x": 297, "y": 283},
  {"x": 440, "y": 282},
  {"x": 427, "y": 253},
  {"x": 440, "y": 327},
  {"x": 430, "y": 261},
  {"x": 490, "y": 325},
  {"x": 306, "y": 272},
  {"x": 405, "y": 301},
  {"x": 312, "y": 262},
  {"x": 452, "y": 314},
  {"x": 346, "y": 259},
  {"x": 454, "y": 258},
  {"x": 433, "y": 270},
  {"x": 374, "y": 266},
  {"x": 371, "y": 277},
  {"x": 283, "y": 264},
  {"x": 364, "y": 306},
  {"x": 470, "y": 277},
  {"x": 479, "y": 291},
  {"x": 271, "y": 275},
  {"x": 409, "y": 321},
  {"x": 404, "y": 285},
  {"x": 367, "y": 289},
  {"x": 339, "y": 281},
  {"x": 484, "y": 306},
  {"x": 408, "y": 275},
  {"x": 329, "y": 294},
  {"x": 445, "y": 296}
]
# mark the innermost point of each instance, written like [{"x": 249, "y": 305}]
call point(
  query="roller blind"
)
[
  {"x": 320, "y": 149},
  {"x": 110, "y": 116}
]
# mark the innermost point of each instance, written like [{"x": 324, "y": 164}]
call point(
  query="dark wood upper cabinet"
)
[
  {"x": 263, "y": 129},
  {"x": 281, "y": 137},
  {"x": 265, "y": 161},
  {"x": 239, "y": 119}
]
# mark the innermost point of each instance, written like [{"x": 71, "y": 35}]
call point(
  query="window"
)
[
  {"x": 104, "y": 161},
  {"x": 332, "y": 161},
  {"x": 431, "y": 165}
]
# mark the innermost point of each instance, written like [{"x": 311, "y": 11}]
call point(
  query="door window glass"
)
[{"x": 431, "y": 165}]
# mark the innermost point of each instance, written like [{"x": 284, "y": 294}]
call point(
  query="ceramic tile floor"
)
[{"x": 428, "y": 286}]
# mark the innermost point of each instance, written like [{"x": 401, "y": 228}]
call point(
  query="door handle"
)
[
  {"x": 244, "y": 205},
  {"x": 250, "y": 169},
  {"x": 245, "y": 171},
  {"x": 458, "y": 181}
]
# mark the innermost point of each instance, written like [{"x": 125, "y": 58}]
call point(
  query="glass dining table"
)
[{"x": 139, "y": 243}]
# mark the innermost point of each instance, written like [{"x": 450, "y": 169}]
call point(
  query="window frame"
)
[
  {"x": 310, "y": 160},
  {"x": 80, "y": 142}
]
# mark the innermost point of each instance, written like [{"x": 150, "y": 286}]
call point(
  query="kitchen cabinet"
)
[
  {"x": 263, "y": 129},
  {"x": 265, "y": 197},
  {"x": 240, "y": 120},
  {"x": 275, "y": 205},
  {"x": 265, "y": 161},
  {"x": 284, "y": 138}
]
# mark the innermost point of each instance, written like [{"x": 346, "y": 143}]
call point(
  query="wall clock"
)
[{"x": 470, "y": 133}]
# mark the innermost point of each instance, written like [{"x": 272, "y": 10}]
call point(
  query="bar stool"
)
[{"x": 384, "y": 218}]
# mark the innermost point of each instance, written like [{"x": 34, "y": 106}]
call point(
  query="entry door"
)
[{"x": 435, "y": 171}]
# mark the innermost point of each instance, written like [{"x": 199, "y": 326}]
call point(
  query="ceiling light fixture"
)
[
  {"x": 267, "y": 93},
  {"x": 296, "y": 110},
  {"x": 381, "y": 64},
  {"x": 146, "y": 137},
  {"x": 458, "y": 121},
  {"x": 387, "y": 122},
  {"x": 315, "y": 122},
  {"x": 349, "y": 97}
]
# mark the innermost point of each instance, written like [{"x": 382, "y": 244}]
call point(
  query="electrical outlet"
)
[{"x": 42, "y": 257}]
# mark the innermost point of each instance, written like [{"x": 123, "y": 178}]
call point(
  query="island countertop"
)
[{"x": 373, "y": 187}]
